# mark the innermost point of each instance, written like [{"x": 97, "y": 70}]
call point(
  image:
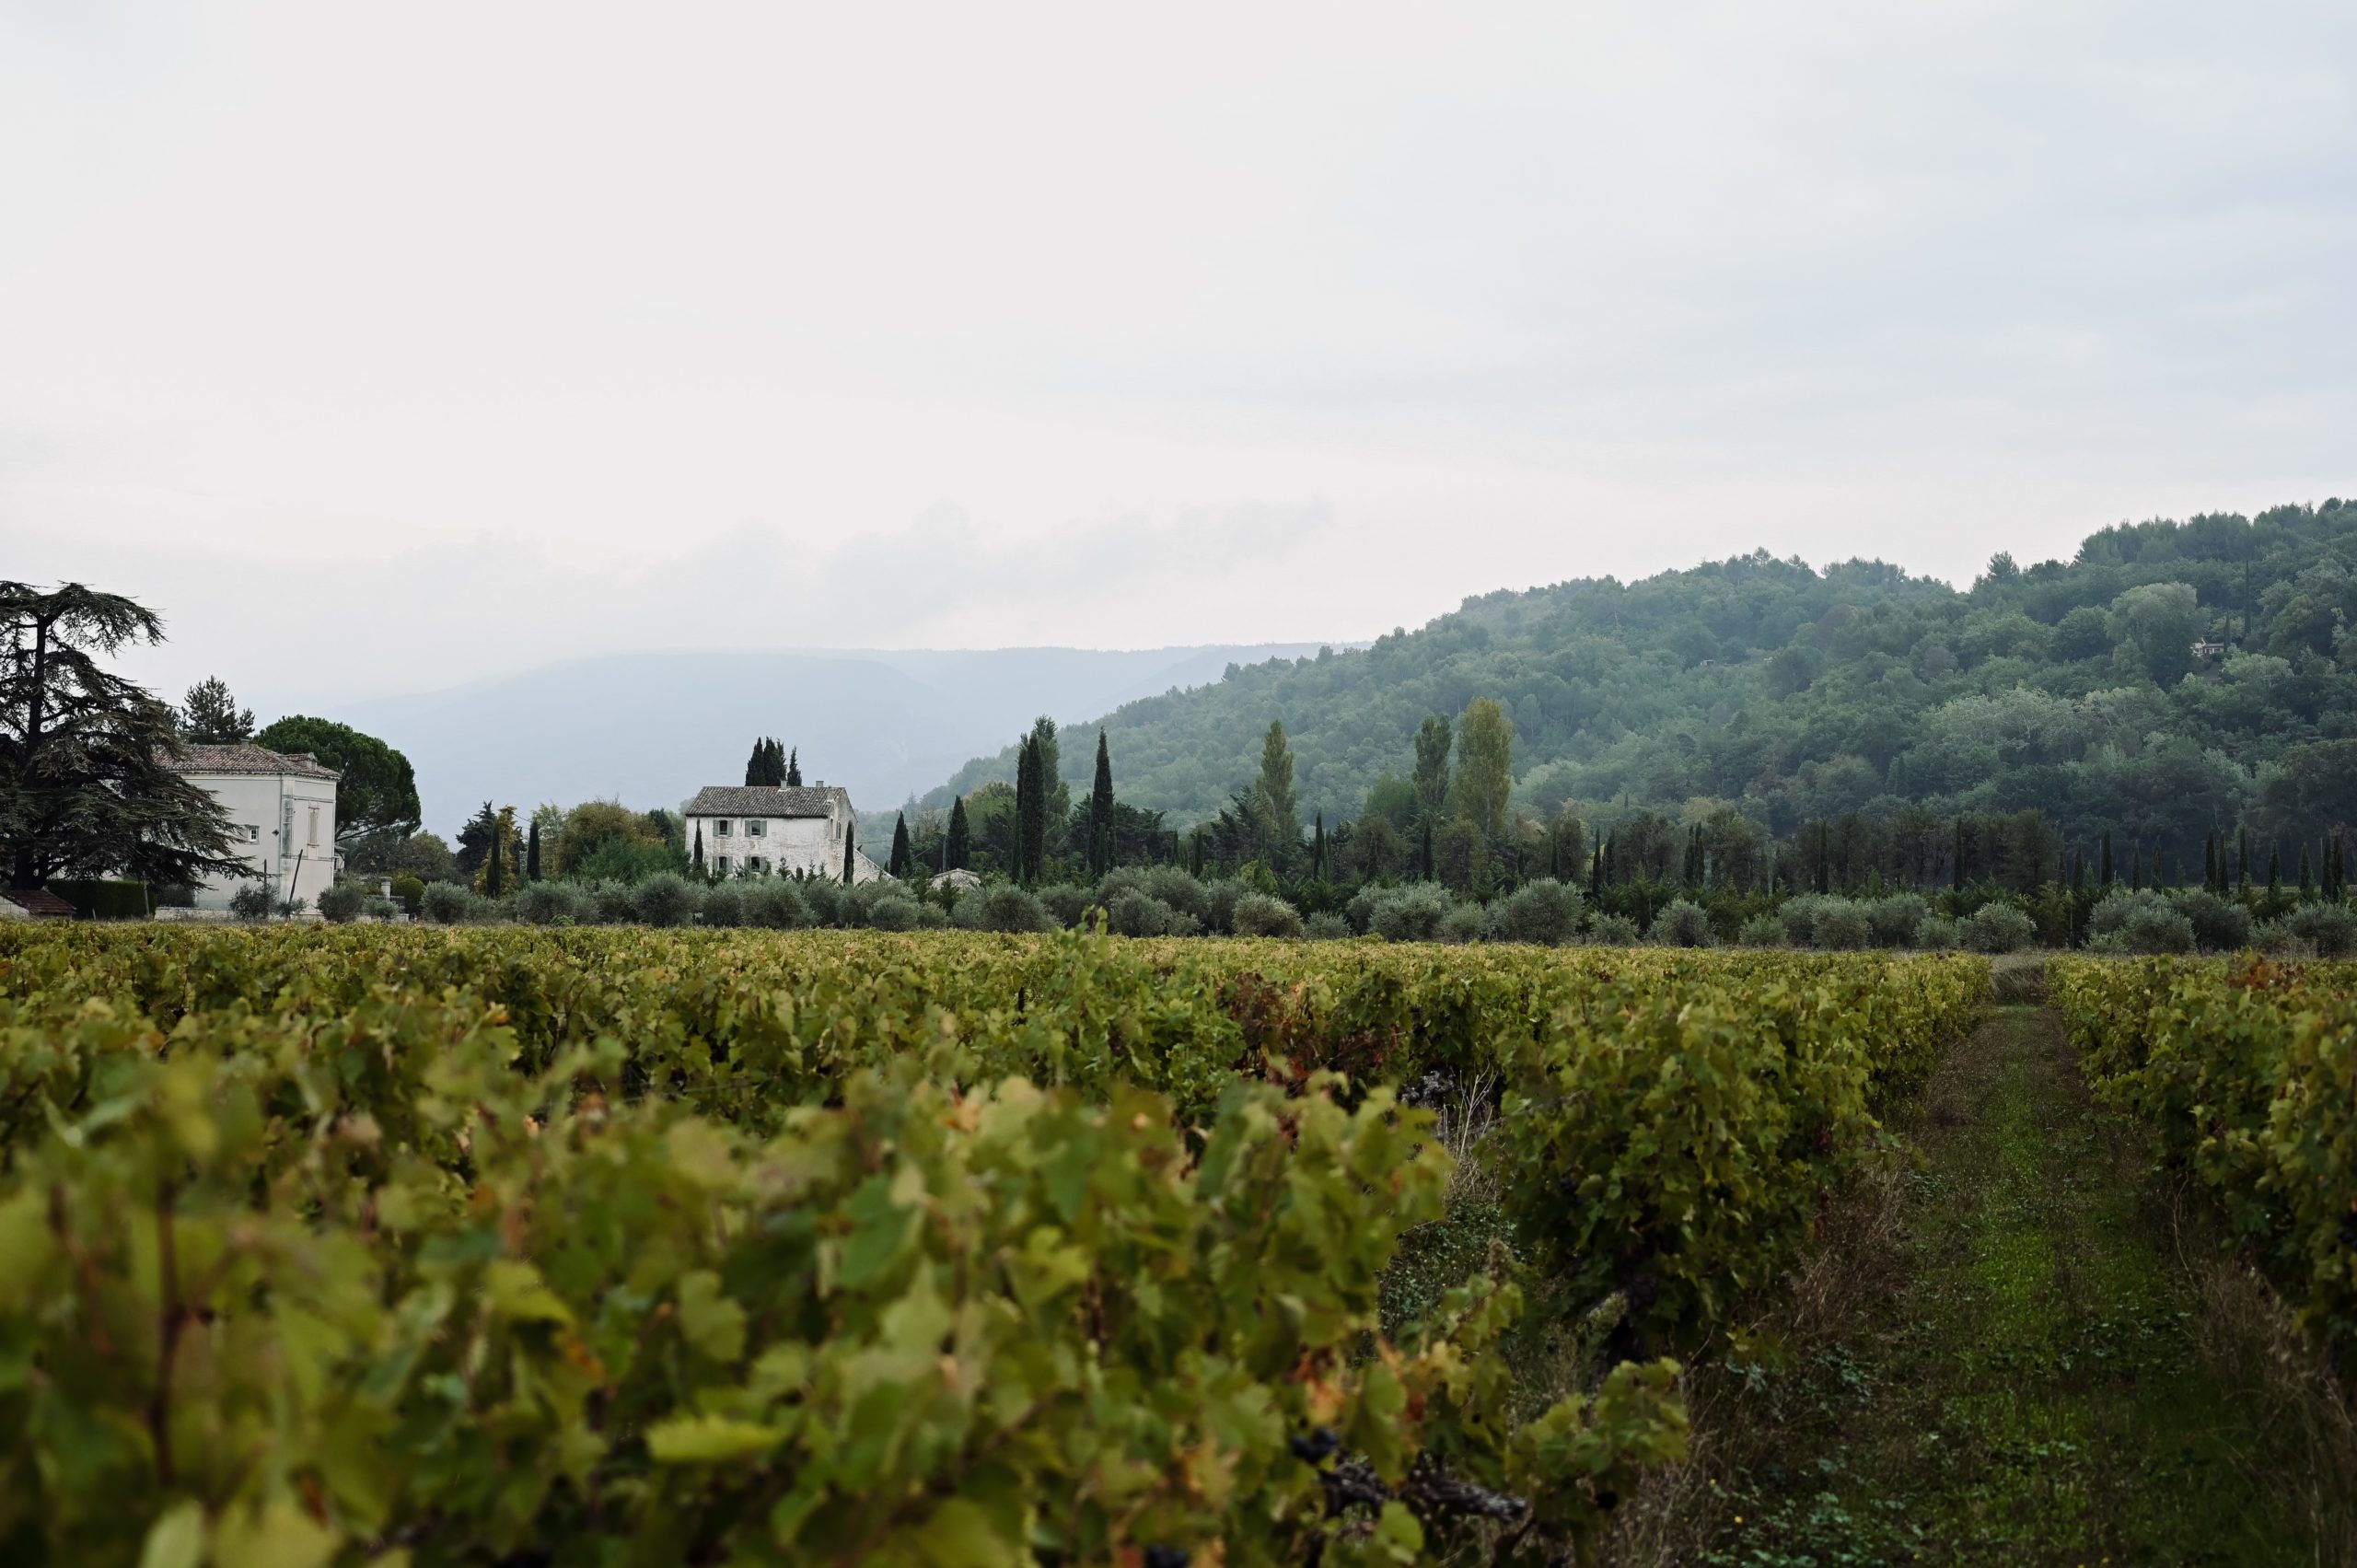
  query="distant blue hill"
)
[{"x": 650, "y": 729}]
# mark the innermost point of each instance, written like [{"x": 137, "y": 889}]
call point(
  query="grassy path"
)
[{"x": 2024, "y": 1377}]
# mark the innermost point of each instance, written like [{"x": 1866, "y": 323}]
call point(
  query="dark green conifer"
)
[
  {"x": 956, "y": 846},
  {"x": 532, "y": 853},
  {"x": 903, "y": 862},
  {"x": 1100, "y": 812},
  {"x": 2107, "y": 858},
  {"x": 850, "y": 864},
  {"x": 794, "y": 769}
]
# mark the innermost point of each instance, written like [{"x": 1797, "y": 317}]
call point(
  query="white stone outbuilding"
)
[
  {"x": 777, "y": 830},
  {"x": 282, "y": 809}
]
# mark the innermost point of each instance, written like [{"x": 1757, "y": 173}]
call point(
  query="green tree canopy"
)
[
  {"x": 1276, "y": 813},
  {"x": 375, "y": 790},
  {"x": 87, "y": 782},
  {"x": 1484, "y": 764},
  {"x": 210, "y": 717}
]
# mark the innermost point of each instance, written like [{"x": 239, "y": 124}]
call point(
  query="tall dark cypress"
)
[
  {"x": 794, "y": 769},
  {"x": 695, "y": 861},
  {"x": 1100, "y": 812},
  {"x": 850, "y": 864},
  {"x": 2275, "y": 869},
  {"x": 1030, "y": 812},
  {"x": 956, "y": 850},
  {"x": 2306, "y": 875},
  {"x": 2106, "y": 857},
  {"x": 1195, "y": 854},
  {"x": 2210, "y": 861},
  {"x": 901, "y": 859},
  {"x": 495, "y": 876},
  {"x": 1317, "y": 851},
  {"x": 532, "y": 853}
]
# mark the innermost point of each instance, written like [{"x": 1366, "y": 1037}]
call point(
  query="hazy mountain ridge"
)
[{"x": 650, "y": 729}]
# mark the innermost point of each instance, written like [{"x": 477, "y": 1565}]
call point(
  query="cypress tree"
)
[
  {"x": 957, "y": 848},
  {"x": 1317, "y": 851},
  {"x": 903, "y": 860},
  {"x": 2243, "y": 835},
  {"x": 1957, "y": 875},
  {"x": 2307, "y": 875},
  {"x": 494, "y": 876},
  {"x": 1195, "y": 854},
  {"x": 2210, "y": 861},
  {"x": 696, "y": 861},
  {"x": 2275, "y": 869},
  {"x": 794, "y": 769},
  {"x": 850, "y": 864},
  {"x": 2107, "y": 858},
  {"x": 1100, "y": 812},
  {"x": 2136, "y": 868},
  {"x": 532, "y": 853},
  {"x": 1030, "y": 812}
]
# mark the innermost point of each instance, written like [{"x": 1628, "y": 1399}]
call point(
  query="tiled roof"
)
[
  {"x": 40, "y": 902},
  {"x": 245, "y": 756},
  {"x": 766, "y": 800}
]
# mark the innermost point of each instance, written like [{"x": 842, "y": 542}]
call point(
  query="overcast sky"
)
[{"x": 379, "y": 347}]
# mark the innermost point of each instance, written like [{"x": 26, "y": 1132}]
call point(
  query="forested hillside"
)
[{"x": 1796, "y": 695}]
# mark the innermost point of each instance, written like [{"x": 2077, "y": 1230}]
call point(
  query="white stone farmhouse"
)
[
  {"x": 282, "y": 809},
  {"x": 777, "y": 830}
]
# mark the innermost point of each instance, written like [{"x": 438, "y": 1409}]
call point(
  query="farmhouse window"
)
[
  {"x": 721, "y": 864},
  {"x": 721, "y": 827},
  {"x": 755, "y": 826}
]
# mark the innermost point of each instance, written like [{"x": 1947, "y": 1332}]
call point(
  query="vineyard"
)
[
  {"x": 2249, "y": 1073},
  {"x": 619, "y": 1246}
]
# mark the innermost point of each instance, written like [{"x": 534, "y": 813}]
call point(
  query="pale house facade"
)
[
  {"x": 282, "y": 809},
  {"x": 777, "y": 830}
]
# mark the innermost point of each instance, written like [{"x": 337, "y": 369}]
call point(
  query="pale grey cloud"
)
[{"x": 1222, "y": 324}]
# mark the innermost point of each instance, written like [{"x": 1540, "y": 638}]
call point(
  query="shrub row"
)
[{"x": 2249, "y": 1071}]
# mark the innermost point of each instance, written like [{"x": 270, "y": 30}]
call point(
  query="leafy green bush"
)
[
  {"x": 1412, "y": 914},
  {"x": 1682, "y": 922},
  {"x": 553, "y": 903},
  {"x": 2219, "y": 925},
  {"x": 1464, "y": 922},
  {"x": 1258, "y": 914},
  {"x": 1762, "y": 930},
  {"x": 250, "y": 901},
  {"x": 1327, "y": 926},
  {"x": 1896, "y": 919},
  {"x": 1067, "y": 904},
  {"x": 828, "y": 901},
  {"x": 1843, "y": 925},
  {"x": 1612, "y": 931},
  {"x": 409, "y": 891},
  {"x": 448, "y": 903},
  {"x": 665, "y": 899},
  {"x": 722, "y": 905},
  {"x": 343, "y": 903},
  {"x": 772, "y": 902},
  {"x": 1136, "y": 913},
  {"x": 2329, "y": 927},
  {"x": 1998, "y": 928},
  {"x": 2139, "y": 920},
  {"x": 1002, "y": 907},
  {"x": 1544, "y": 912}
]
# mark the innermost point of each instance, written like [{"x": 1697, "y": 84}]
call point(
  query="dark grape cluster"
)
[{"x": 1315, "y": 1445}]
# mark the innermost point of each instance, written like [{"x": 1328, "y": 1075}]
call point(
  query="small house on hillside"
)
[
  {"x": 777, "y": 830},
  {"x": 282, "y": 809}
]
